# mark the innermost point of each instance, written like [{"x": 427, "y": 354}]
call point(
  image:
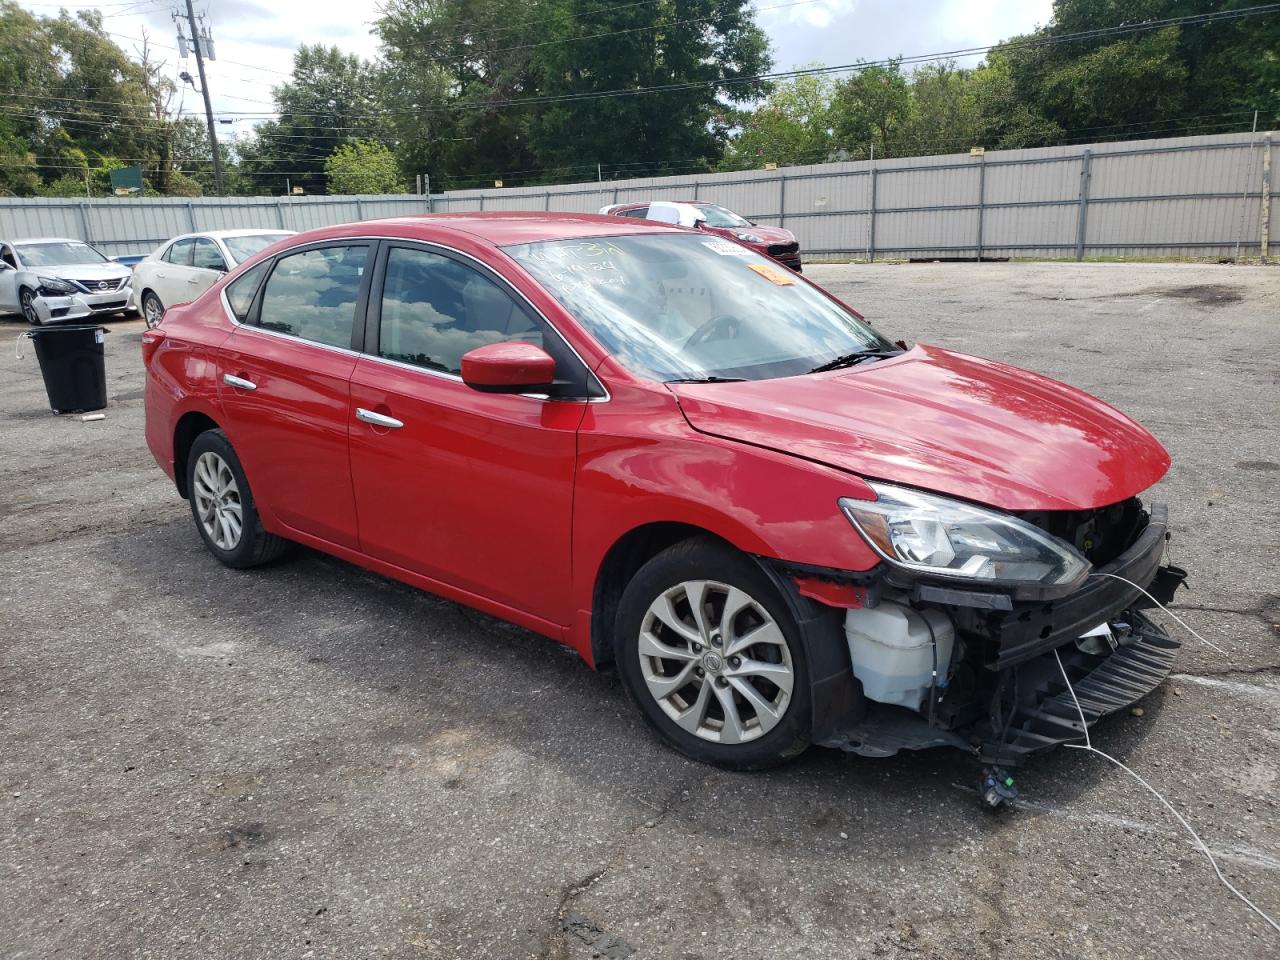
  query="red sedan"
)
[{"x": 684, "y": 461}]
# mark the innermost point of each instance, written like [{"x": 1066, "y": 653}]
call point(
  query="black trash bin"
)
[{"x": 73, "y": 365}]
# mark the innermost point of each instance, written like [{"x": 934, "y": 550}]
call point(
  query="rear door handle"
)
[
  {"x": 240, "y": 383},
  {"x": 378, "y": 419}
]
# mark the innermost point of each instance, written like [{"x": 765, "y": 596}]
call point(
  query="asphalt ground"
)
[{"x": 308, "y": 760}]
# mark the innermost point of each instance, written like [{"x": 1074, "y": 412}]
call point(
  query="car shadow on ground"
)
[{"x": 446, "y": 666}]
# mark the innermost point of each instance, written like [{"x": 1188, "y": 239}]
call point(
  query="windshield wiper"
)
[
  {"x": 708, "y": 380},
  {"x": 852, "y": 359}
]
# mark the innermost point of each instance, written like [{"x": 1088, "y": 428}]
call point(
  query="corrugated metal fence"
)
[{"x": 1203, "y": 196}]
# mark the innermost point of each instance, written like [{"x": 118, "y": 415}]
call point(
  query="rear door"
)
[
  {"x": 207, "y": 267},
  {"x": 169, "y": 280},
  {"x": 285, "y": 385},
  {"x": 469, "y": 488}
]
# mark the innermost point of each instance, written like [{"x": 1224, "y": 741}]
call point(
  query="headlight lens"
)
[
  {"x": 56, "y": 287},
  {"x": 748, "y": 237},
  {"x": 936, "y": 535}
]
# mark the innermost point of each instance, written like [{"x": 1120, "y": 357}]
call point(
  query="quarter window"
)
[
  {"x": 179, "y": 252},
  {"x": 313, "y": 294},
  {"x": 207, "y": 256},
  {"x": 638, "y": 213},
  {"x": 435, "y": 309},
  {"x": 241, "y": 290}
]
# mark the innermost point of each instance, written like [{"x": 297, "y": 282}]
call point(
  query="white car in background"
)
[
  {"x": 54, "y": 280},
  {"x": 188, "y": 265}
]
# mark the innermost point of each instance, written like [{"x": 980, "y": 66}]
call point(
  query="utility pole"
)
[{"x": 198, "y": 42}]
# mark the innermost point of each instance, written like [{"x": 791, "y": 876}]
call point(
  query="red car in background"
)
[
  {"x": 682, "y": 460},
  {"x": 774, "y": 242}
]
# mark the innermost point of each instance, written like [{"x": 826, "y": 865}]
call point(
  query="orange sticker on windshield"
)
[{"x": 772, "y": 274}]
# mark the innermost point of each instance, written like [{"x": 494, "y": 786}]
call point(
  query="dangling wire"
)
[{"x": 1090, "y": 748}]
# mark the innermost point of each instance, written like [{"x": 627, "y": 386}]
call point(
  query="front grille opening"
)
[{"x": 1101, "y": 534}]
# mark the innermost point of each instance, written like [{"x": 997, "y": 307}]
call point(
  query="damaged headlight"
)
[
  {"x": 935, "y": 535},
  {"x": 53, "y": 287}
]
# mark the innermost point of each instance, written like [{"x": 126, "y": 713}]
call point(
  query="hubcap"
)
[
  {"x": 716, "y": 662},
  {"x": 151, "y": 311},
  {"x": 28, "y": 308},
  {"x": 217, "y": 500}
]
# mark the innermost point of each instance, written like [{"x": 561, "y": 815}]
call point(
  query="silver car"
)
[
  {"x": 56, "y": 280},
  {"x": 190, "y": 264}
]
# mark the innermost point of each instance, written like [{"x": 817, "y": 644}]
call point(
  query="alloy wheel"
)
[
  {"x": 716, "y": 662},
  {"x": 28, "y": 308},
  {"x": 217, "y": 498},
  {"x": 152, "y": 312}
]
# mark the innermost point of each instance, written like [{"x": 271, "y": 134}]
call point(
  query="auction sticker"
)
[
  {"x": 726, "y": 248},
  {"x": 772, "y": 274}
]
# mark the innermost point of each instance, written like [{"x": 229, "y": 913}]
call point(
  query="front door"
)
[
  {"x": 285, "y": 387},
  {"x": 8, "y": 280},
  {"x": 468, "y": 488}
]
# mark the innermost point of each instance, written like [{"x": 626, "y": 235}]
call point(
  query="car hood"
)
[
  {"x": 766, "y": 234},
  {"x": 945, "y": 422},
  {"x": 84, "y": 271}
]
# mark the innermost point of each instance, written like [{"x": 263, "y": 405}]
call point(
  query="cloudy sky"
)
[{"x": 254, "y": 40}]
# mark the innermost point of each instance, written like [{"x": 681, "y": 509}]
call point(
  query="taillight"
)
[{"x": 150, "y": 341}]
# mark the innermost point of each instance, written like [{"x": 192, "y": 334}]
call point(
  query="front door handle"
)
[
  {"x": 240, "y": 383},
  {"x": 194, "y": 280},
  {"x": 378, "y": 419}
]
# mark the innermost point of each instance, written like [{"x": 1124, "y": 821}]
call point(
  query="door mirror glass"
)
[{"x": 508, "y": 368}]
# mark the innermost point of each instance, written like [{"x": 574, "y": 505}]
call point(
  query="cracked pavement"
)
[{"x": 311, "y": 761}]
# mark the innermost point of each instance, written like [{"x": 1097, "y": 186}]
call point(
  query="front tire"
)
[
  {"x": 708, "y": 650},
  {"x": 223, "y": 507},
  {"x": 26, "y": 296}
]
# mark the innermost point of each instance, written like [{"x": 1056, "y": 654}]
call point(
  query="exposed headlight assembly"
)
[
  {"x": 748, "y": 237},
  {"x": 937, "y": 536},
  {"x": 52, "y": 286}
]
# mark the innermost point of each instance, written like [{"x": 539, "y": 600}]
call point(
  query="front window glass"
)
[
  {"x": 435, "y": 309},
  {"x": 720, "y": 217},
  {"x": 313, "y": 294},
  {"x": 59, "y": 254},
  {"x": 242, "y": 248},
  {"x": 687, "y": 307}
]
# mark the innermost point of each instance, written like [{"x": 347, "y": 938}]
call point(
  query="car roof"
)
[
  {"x": 49, "y": 240},
  {"x": 501, "y": 228},
  {"x": 225, "y": 234}
]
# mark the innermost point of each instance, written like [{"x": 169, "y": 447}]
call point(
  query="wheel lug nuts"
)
[
  {"x": 715, "y": 639},
  {"x": 735, "y": 662},
  {"x": 697, "y": 648},
  {"x": 721, "y": 682},
  {"x": 700, "y": 672}
]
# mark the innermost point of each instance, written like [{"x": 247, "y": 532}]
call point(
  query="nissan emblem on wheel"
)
[{"x": 688, "y": 463}]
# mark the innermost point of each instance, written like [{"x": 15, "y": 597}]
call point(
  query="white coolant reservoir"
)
[{"x": 892, "y": 651}]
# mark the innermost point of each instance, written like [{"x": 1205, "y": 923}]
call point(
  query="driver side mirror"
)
[{"x": 508, "y": 368}]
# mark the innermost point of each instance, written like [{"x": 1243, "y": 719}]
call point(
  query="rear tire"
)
[
  {"x": 152, "y": 310},
  {"x": 730, "y": 686},
  {"x": 222, "y": 505}
]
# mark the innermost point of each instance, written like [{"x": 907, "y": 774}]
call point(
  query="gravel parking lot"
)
[{"x": 310, "y": 761}]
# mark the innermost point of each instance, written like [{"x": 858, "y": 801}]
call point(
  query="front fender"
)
[{"x": 647, "y": 465}]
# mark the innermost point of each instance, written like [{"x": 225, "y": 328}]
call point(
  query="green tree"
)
[
  {"x": 330, "y": 99},
  {"x": 363, "y": 166},
  {"x": 792, "y": 126},
  {"x": 869, "y": 109}
]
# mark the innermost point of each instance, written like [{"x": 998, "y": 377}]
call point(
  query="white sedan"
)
[{"x": 188, "y": 265}]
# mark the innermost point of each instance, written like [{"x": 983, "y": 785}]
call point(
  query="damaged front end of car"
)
[{"x": 962, "y": 635}]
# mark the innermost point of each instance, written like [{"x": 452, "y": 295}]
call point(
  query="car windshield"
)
[
  {"x": 245, "y": 246},
  {"x": 720, "y": 217},
  {"x": 60, "y": 253},
  {"x": 686, "y": 307}
]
